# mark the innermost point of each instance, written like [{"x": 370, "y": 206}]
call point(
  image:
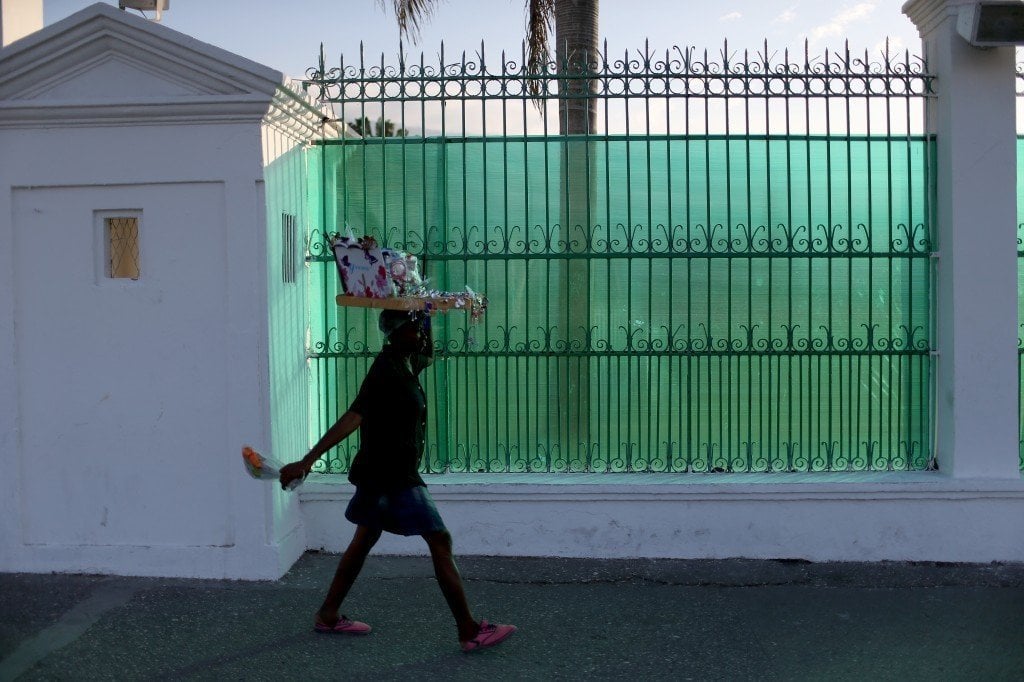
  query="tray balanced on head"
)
[
  {"x": 442, "y": 302},
  {"x": 375, "y": 277}
]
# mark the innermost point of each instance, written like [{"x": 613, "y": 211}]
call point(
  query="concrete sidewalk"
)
[{"x": 578, "y": 619}]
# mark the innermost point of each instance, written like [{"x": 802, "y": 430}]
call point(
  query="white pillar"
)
[
  {"x": 973, "y": 119},
  {"x": 18, "y": 18}
]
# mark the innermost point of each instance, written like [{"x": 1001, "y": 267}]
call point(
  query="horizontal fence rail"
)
[{"x": 693, "y": 264}]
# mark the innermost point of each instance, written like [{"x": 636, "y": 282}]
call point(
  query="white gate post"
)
[{"x": 973, "y": 119}]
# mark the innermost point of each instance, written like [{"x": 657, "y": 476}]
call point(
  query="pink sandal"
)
[
  {"x": 343, "y": 626},
  {"x": 489, "y": 635}
]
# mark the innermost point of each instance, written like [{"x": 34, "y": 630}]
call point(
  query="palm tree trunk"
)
[
  {"x": 576, "y": 52},
  {"x": 576, "y": 55}
]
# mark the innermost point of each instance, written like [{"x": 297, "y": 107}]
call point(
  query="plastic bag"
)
[{"x": 264, "y": 468}]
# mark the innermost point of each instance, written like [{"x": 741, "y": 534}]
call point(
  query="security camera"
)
[
  {"x": 992, "y": 24},
  {"x": 144, "y": 5}
]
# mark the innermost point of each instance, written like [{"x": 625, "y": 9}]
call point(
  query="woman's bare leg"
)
[
  {"x": 349, "y": 565},
  {"x": 448, "y": 578}
]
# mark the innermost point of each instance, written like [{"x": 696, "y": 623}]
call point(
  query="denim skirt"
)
[{"x": 404, "y": 512}]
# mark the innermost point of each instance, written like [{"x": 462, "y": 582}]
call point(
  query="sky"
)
[{"x": 286, "y": 34}]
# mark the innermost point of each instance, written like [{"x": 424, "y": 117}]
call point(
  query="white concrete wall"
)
[
  {"x": 286, "y": 188},
  {"x": 974, "y": 122},
  {"x": 919, "y": 516},
  {"x": 131, "y": 399},
  {"x": 125, "y": 403}
]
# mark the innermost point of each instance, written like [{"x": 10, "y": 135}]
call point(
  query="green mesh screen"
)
[{"x": 656, "y": 304}]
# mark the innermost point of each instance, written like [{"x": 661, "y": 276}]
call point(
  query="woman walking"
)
[{"x": 390, "y": 412}]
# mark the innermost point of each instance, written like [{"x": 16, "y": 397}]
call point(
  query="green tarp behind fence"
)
[{"x": 730, "y": 303}]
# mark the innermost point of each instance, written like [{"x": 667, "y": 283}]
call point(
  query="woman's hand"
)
[
  {"x": 292, "y": 472},
  {"x": 341, "y": 430}
]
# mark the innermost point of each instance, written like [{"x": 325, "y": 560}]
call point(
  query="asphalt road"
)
[{"x": 577, "y": 618}]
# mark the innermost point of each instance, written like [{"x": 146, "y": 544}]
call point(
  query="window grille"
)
[
  {"x": 289, "y": 250},
  {"x": 122, "y": 246}
]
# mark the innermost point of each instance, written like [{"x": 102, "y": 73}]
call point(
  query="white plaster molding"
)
[
  {"x": 113, "y": 73},
  {"x": 268, "y": 562},
  {"x": 65, "y": 50},
  {"x": 249, "y": 109},
  {"x": 656, "y": 487},
  {"x": 921, "y": 516},
  {"x": 928, "y": 14}
]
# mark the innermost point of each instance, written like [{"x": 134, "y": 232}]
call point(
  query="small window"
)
[
  {"x": 122, "y": 242},
  {"x": 289, "y": 252}
]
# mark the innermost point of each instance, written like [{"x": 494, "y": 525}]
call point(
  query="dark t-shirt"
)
[{"x": 393, "y": 408}]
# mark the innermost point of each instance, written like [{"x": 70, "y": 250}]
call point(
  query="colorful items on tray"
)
[
  {"x": 362, "y": 266},
  {"x": 404, "y": 270},
  {"x": 264, "y": 468},
  {"x": 475, "y": 304},
  {"x": 369, "y": 271}
]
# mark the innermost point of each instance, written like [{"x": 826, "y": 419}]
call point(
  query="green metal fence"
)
[{"x": 727, "y": 270}]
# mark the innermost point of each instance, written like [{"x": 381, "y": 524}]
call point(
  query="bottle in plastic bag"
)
[{"x": 264, "y": 468}]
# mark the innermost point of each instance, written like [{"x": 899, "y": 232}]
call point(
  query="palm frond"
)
[
  {"x": 411, "y": 15},
  {"x": 540, "y": 21}
]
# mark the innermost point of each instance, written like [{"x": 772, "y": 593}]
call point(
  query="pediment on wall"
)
[{"x": 102, "y": 56}]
